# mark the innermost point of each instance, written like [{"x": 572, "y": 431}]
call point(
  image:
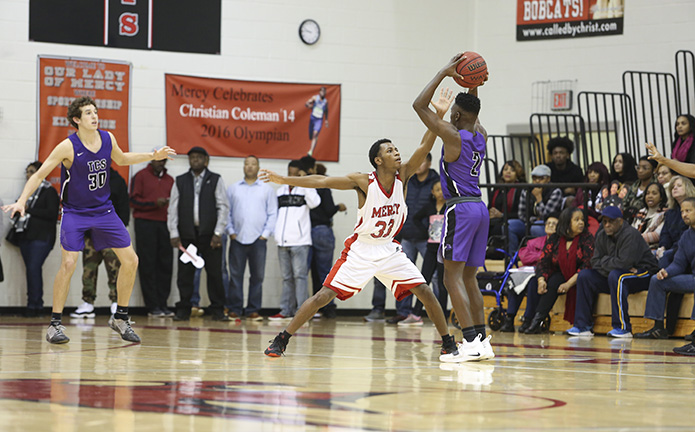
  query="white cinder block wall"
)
[{"x": 382, "y": 52}]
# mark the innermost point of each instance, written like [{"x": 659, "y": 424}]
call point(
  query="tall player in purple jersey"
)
[
  {"x": 465, "y": 231},
  {"x": 85, "y": 159}
]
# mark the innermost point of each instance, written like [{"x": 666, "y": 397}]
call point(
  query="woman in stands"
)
[
  {"x": 564, "y": 255},
  {"x": 683, "y": 149},
  {"x": 512, "y": 172},
  {"x": 529, "y": 256},
  {"x": 624, "y": 168},
  {"x": 650, "y": 219},
  {"x": 634, "y": 200},
  {"x": 679, "y": 189}
]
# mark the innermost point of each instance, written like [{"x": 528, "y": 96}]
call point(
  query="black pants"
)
[
  {"x": 547, "y": 300},
  {"x": 154, "y": 251},
  {"x": 429, "y": 265},
  {"x": 213, "y": 270}
]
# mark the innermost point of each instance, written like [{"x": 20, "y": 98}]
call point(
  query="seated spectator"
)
[
  {"x": 650, "y": 219},
  {"x": 529, "y": 256},
  {"x": 634, "y": 200},
  {"x": 624, "y": 168},
  {"x": 597, "y": 173},
  {"x": 679, "y": 189},
  {"x": 622, "y": 264},
  {"x": 562, "y": 169},
  {"x": 433, "y": 213},
  {"x": 543, "y": 202},
  {"x": 683, "y": 149},
  {"x": 564, "y": 255},
  {"x": 677, "y": 277},
  {"x": 512, "y": 172},
  {"x": 664, "y": 175}
]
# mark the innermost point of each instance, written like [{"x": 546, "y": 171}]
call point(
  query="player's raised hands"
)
[
  {"x": 446, "y": 97},
  {"x": 654, "y": 153},
  {"x": 450, "y": 68},
  {"x": 269, "y": 176},
  {"x": 165, "y": 152}
]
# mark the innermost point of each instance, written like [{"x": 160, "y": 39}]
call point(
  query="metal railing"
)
[
  {"x": 610, "y": 124},
  {"x": 656, "y": 104},
  {"x": 546, "y": 126},
  {"x": 685, "y": 81}
]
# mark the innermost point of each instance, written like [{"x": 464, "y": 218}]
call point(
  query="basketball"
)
[{"x": 473, "y": 69}]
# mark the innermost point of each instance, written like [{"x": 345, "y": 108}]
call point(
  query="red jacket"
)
[{"x": 145, "y": 189}]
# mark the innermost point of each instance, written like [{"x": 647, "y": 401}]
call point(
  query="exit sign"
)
[{"x": 561, "y": 100}]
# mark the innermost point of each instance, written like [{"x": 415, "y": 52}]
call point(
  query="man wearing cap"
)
[
  {"x": 543, "y": 202},
  {"x": 622, "y": 264},
  {"x": 150, "y": 189},
  {"x": 198, "y": 210}
]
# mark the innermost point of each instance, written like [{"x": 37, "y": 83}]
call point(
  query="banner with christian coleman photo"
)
[
  {"x": 61, "y": 81},
  {"x": 239, "y": 118},
  {"x": 563, "y": 19}
]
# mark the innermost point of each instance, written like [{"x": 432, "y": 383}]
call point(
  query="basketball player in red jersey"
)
[{"x": 371, "y": 251}]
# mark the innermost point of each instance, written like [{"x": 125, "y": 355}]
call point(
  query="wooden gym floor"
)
[{"x": 338, "y": 375}]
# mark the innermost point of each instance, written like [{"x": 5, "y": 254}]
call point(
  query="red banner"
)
[
  {"x": 558, "y": 19},
  {"x": 240, "y": 118},
  {"x": 62, "y": 80}
]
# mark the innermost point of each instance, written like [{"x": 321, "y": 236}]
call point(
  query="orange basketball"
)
[{"x": 473, "y": 69}]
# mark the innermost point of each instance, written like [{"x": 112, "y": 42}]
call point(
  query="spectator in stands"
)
[
  {"x": 650, "y": 219},
  {"x": 36, "y": 235},
  {"x": 677, "y": 277},
  {"x": 529, "y": 256},
  {"x": 683, "y": 149},
  {"x": 634, "y": 199},
  {"x": 150, "y": 189},
  {"x": 679, "y": 189},
  {"x": 293, "y": 237},
  {"x": 253, "y": 209},
  {"x": 563, "y": 170},
  {"x": 565, "y": 254},
  {"x": 622, "y": 264},
  {"x": 543, "y": 202},
  {"x": 512, "y": 172},
  {"x": 197, "y": 214},
  {"x": 322, "y": 236},
  {"x": 624, "y": 168},
  {"x": 664, "y": 175},
  {"x": 597, "y": 173},
  {"x": 430, "y": 219}
]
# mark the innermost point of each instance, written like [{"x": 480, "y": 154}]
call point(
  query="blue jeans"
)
[
  {"x": 239, "y": 255},
  {"x": 619, "y": 284},
  {"x": 321, "y": 260},
  {"x": 34, "y": 253},
  {"x": 295, "y": 287},
  {"x": 405, "y": 306},
  {"x": 195, "y": 298},
  {"x": 656, "y": 298}
]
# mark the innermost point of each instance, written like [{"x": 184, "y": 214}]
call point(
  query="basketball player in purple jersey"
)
[
  {"x": 465, "y": 231},
  {"x": 85, "y": 159}
]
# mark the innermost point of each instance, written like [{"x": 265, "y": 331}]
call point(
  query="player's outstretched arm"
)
[
  {"x": 131, "y": 158},
  {"x": 351, "y": 181},
  {"x": 443, "y": 129},
  {"x": 686, "y": 169},
  {"x": 441, "y": 106},
  {"x": 60, "y": 153}
]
